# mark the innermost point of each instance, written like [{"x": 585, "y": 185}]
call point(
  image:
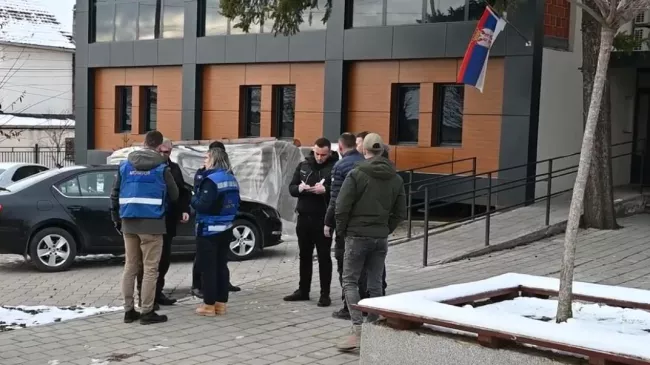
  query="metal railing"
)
[
  {"x": 493, "y": 186},
  {"x": 47, "y": 156}
]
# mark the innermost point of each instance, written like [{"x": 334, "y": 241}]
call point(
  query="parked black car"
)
[{"x": 59, "y": 214}]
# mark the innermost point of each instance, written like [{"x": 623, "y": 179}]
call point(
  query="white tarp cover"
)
[{"x": 263, "y": 169}]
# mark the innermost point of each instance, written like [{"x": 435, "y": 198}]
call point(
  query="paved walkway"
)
[{"x": 260, "y": 328}]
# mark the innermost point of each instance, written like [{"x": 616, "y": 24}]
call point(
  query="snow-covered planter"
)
[{"x": 508, "y": 319}]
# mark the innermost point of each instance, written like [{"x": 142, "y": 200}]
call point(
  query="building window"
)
[
  {"x": 373, "y": 13},
  {"x": 316, "y": 15},
  {"x": 449, "y": 116},
  {"x": 405, "y": 113},
  {"x": 214, "y": 22},
  {"x": 252, "y": 101},
  {"x": 69, "y": 149},
  {"x": 173, "y": 18},
  {"x": 149, "y": 108},
  {"x": 124, "y": 104},
  {"x": 119, "y": 20},
  {"x": 284, "y": 110}
]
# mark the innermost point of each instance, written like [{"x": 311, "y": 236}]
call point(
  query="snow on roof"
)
[
  {"x": 29, "y": 22},
  {"x": 13, "y": 121}
]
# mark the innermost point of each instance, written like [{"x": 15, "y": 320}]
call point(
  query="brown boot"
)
[
  {"x": 351, "y": 342},
  {"x": 206, "y": 310},
  {"x": 219, "y": 308}
]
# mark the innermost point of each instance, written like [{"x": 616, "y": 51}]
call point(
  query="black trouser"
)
[
  {"x": 163, "y": 266},
  {"x": 212, "y": 252},
  {"x": 309, "y": 230},
  {"x": 339, "y": 250},
  {"x": 197, "y": 282}
]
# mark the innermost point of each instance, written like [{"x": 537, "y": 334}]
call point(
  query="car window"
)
[
  {"x": 26, "y": 171},
  {"x": 91, "y": 184},
  {"x": 31, "y": 180}
]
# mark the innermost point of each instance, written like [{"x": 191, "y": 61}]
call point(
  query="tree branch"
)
[{"x": 589, "y": 10}]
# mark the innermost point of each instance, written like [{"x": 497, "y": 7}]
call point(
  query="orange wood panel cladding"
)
[
  {"x": 168, "y": 80},
  {"x": 221, "y": 94},
  {"x": 369, "y": 102}
]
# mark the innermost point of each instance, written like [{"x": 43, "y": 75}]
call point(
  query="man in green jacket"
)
[{"x": 370, "y": 206}]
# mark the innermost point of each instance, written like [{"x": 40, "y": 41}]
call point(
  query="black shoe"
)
[
  {"x": 131, "y": 316},
  {"x": 342, "y": 313},
  {"x": 162, "y": 299},
  {"x": 197, "y": 293},
  {"x": 297, "y": 296},
  {"x": 233, "y": 288},
  {"x": 152, "y": 317},
  {"x": 324, "y": 301}
]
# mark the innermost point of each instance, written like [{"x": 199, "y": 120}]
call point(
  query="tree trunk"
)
[
  {"x": 599, "y": 194},
  {"x": 575, "y": 211}
]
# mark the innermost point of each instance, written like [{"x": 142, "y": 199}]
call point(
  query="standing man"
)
[
  {"x": 138, "y": 209},
  {"x": 350, "y": 157},
  {"x": 311, "y": 185},
  {"x": 177, "y": 212},
  {"x": 197, "y": 282},
  {"x": 369, "y": 207}
]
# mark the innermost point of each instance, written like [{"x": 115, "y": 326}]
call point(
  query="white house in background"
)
[
  {"x": 36, "y": 60},
  {"x": 20, "y": 132}
]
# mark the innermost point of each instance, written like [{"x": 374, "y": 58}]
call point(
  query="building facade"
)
[{"x": 387, "y": 66}]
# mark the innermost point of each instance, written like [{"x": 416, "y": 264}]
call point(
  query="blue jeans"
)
[
  {"x": 212, "y": 255},
  {"x": 363, "y": 253}
]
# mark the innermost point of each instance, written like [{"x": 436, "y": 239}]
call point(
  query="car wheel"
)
[
  {"x": 247, "y": 240},
  {"x": 52, "y": 249}
]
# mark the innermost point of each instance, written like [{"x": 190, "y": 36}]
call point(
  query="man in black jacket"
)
[
  {"x": 178, "y": 212},
  {"x": 311, "y": 185}
]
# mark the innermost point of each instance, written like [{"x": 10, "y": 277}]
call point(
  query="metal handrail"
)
[{"x": 491, "y": 189}]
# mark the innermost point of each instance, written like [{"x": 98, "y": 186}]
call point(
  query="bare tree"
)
[
  {"x": 611, "y": 15},
  {"x": 57, "y": 131}
]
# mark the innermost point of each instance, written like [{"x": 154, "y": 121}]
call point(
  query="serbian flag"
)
[{"x": 474, "y": 66}]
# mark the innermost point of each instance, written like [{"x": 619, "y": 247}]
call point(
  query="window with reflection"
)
[
  {"x": 312, "y": 19},
  {"x": 149, "y": 107},
  {"x": 405, "y": 112},
  {"x": 254, "y": 28},
  {"x": 173, "y": 18},
  {"x": 403, "y": 12},
  {"x": 124, "y": 104},
  {"x": 126, "y": 22},
  {"x": 129, "y": 20},
  {"x": 372, "y": 13},
  {"x": 214, "y": 23},
  {"x": 252, "y": 101},
  {"x": 449, "y": 116},
  {"x": 284, "y": 110}
]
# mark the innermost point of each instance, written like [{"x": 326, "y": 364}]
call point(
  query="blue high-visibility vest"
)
[
  {"x": 142, "y": 193},
  {"x": 217, "y": 222}
]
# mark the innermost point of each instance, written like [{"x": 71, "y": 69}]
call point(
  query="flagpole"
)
[{"x": 504, "y": 17}]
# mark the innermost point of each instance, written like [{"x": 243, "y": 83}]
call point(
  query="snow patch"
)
[
  {"x": 612, "y": 334},
  {"x": 12, "y": 318}
]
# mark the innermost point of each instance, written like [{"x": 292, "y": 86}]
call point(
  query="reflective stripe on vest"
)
[
  {"x": 142, "y": 193},
  {"x": 228, "y": 190}
]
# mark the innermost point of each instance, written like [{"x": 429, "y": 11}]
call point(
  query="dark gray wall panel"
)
[
  {"x": 188, "y": 125},
  {"x": 82, "y": 5},
  {"x": 81, "y": 134},
  {"x": 517, "y": 85},
  {"x": 99, "y": 54},
  {"x": 122, "y": 54},
  {"x": 81, "y": 55},
  {"x": 189, "y": 86},
  {"x": 419, "y": 41},
  {"x": 189, "y": 50},
  {"x": 271, "y": 48},
  {"x": 307, "y": 46},
  {"x": 81, "y": 27},
  {"x": 170, "y": 51},
  {"x": 458, "y": 37},
  {"x": 513, "y": 152},
  {"x": 211, "y": 50},
  {"x": 240, "y": 48},
  {"x": 335, "y": 32},
  {"x": 146, "y": 52},
  {"x": 190, "y": 31},
  {"x": 334, "y": 97},
  {"x": 81, "y": 84},
  {"x": 368, "y": 43},
  {"x": 516, "y": 44},
  {"x": 331, "y": 125}
]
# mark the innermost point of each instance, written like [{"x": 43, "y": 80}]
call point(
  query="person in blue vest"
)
[
  {"x": 138, "y": 210},
  {"x": 216, "y": 202},
  {"x": 197, "y": 282}
]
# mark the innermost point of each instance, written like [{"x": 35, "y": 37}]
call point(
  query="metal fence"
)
[{"x": 47, "y": 156}]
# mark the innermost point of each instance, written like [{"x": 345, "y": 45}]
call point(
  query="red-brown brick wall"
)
[{"x": 557, "y": 14}]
